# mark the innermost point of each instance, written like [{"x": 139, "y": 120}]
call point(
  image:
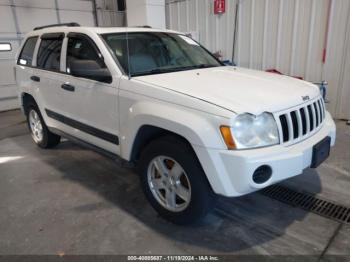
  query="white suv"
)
[{"x": 156, "y": 98}]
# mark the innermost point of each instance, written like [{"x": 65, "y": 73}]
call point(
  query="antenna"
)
[{"x": 127, "y": 50}]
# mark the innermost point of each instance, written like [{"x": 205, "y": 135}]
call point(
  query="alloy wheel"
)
[
  {"x": 169, "y": 183},
  {"x": 36, "y": 126}
]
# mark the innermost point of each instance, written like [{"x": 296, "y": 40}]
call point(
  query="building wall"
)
[
  {"x": 146, "y": 13},
  {"x": 287, "y": 35}
]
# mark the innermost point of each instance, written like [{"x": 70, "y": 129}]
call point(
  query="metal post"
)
[
  {"x": 95, "y": 12},
  {"x": 57, "y": 12},
  {"x": 235, "y": 33}
]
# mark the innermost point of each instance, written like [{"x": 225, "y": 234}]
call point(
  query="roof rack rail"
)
[
  {"x": 144, "y": 26},
  {"x": 73, "y": 24}
]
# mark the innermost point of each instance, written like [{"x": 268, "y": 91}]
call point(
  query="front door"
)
[{"x": 89, "y": 94}]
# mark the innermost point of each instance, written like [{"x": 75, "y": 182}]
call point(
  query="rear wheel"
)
[
  {"x": 174, "y": 181},
  {"x": 39, "y": 131}
]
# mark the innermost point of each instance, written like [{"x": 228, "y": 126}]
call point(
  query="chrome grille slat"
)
[
  {"x": 320, "y": 109},
  {"x": 323, "y": 109},
  {"x": 290, "y": 127},
  {"x": 318, "y": 112},
  {"x": 302, "y": 122},
  {"x": 313, "y": 116},
  {"x": 308, "y": 126}
]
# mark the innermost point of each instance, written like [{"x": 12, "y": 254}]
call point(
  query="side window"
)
[
  {"x": 83, "y": 60},
  {"x": 26, "y": 56},
  {"x": 49, "y": 54}
]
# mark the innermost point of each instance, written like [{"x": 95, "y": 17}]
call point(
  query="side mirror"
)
[{"x": 90, "y": 69}]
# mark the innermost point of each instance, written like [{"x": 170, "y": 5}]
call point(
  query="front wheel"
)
[{"x": 174, "y": 181}]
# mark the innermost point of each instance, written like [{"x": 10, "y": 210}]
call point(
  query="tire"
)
[
  {"x": 46, "y": 139},
  {"x": 192, "y": 184}
]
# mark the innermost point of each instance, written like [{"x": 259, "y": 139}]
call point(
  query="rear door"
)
[
  {"x": 25, "y": 62},
  {"x": 89, "y": 94},
  {"x": 47, "y": 73}
]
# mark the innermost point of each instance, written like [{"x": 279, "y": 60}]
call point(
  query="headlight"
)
[{"x": 249, "y": 131}]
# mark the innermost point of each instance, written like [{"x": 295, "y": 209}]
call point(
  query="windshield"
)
[{"x": 157, "y": 52}]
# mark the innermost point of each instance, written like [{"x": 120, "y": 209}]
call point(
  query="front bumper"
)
[{"x": 230, "y": 172}]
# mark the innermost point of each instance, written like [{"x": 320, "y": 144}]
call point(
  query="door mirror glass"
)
[{"x": 89, "y": 69}]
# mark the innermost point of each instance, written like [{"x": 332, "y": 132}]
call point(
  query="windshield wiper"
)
[
  {"x": 169, "y": 70},
  {"x": 154, "y": 71},
  {"x": 204, "y": 66},
  {"x": 194, "y": 67}
]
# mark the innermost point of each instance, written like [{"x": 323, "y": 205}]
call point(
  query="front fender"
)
[{"x": 198, "y": 128}]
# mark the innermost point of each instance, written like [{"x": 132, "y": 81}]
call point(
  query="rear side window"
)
[
  {"x": 49, "y": 55},
  {"x": 26, "y": 56}
]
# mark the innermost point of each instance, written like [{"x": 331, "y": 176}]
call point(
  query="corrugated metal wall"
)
[
  {"x": 108, "y": 14},
  {"x": 288, "y": 35},
  {"x": 337, "y": 68}
]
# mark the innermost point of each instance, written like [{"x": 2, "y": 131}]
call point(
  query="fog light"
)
[{"x": 262, "y": 174}]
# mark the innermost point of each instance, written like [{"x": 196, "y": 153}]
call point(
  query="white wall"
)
[
  {"x": 146, "y": 12},
  {"x": 288, "y": 35}
]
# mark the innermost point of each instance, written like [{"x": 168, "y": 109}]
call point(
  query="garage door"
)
[
  {"x": 17, "y": 17},
  {"x": 8, "y": 47}
]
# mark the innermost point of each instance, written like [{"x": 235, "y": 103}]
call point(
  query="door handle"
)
[
  {"x": 35, "y": 78},
  {"x": 68, "y": 87}
]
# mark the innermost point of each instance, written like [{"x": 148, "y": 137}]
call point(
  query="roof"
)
[
  {"x": 104, "y": 30},
  {"x": 97, "y": 30}
]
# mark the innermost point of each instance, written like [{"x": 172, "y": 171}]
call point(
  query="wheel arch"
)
[
  {"x": 25, "y": 99},
  {"x": 147, "y": 121},
  {"x": 148, "y": 133}
]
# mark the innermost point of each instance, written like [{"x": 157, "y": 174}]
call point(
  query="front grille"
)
[{"x": 301, "y": 122}]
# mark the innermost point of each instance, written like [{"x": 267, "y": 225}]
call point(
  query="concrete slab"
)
[
  {"x": 12, "y": 124},
  {"x": 341, "y": 243},
  {"x": 74, "y": 201}
]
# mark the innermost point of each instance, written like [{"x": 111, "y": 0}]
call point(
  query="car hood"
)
[{"x": 237, "y": 89}]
